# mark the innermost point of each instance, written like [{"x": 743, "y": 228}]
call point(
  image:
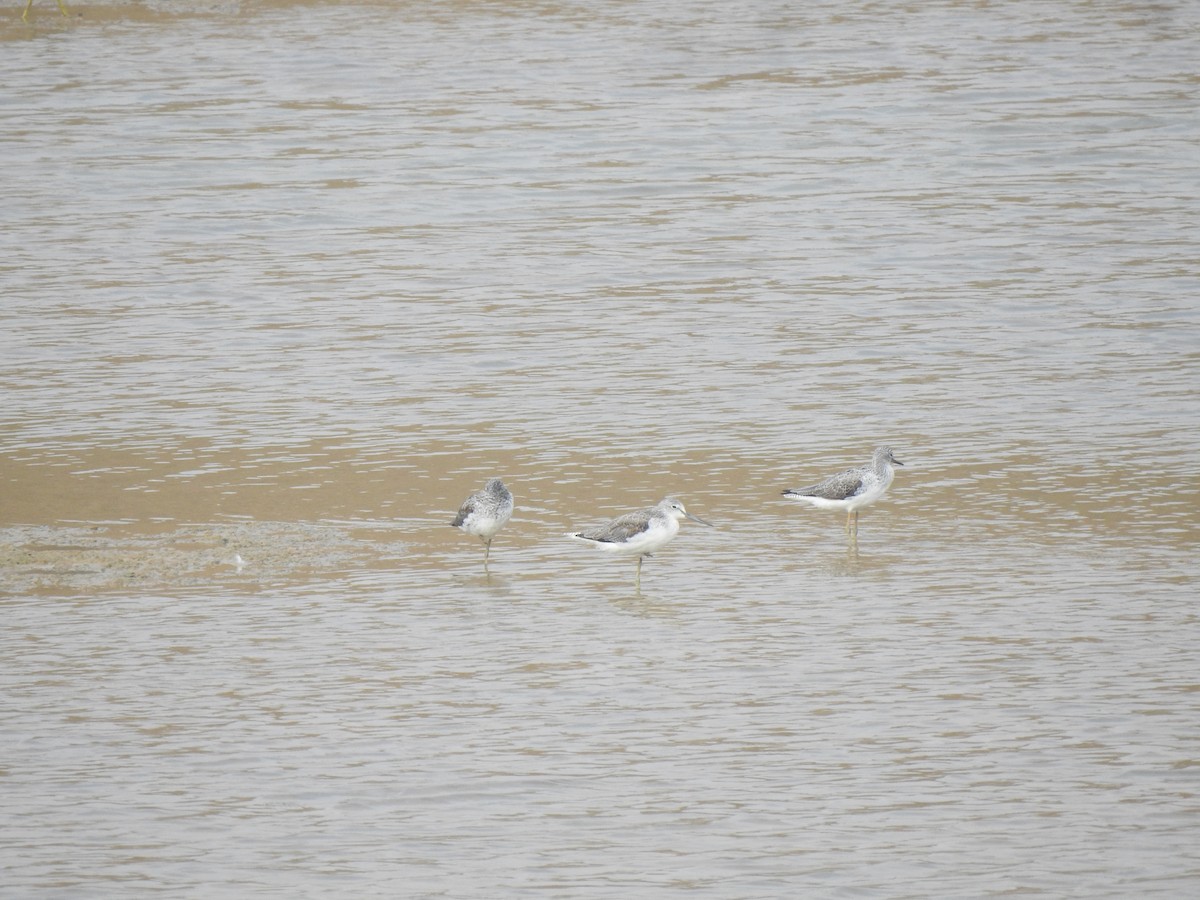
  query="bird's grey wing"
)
[
  {"x": 464, "y": 511},
  {"x": 842, "y": 486},
  {"x": 618, "y": 530}
]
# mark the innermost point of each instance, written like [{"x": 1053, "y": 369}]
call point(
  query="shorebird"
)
[
  {"x": 852, "y": 489},
  {"x": 485, "y": 512},
  {"x": 639, "y": 533}
]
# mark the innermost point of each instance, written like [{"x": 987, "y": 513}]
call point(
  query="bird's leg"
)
[
  {"x": 639, "y": 573},
  {"x": 62, "y": 8},
  {"x": 487, "y": 550}
]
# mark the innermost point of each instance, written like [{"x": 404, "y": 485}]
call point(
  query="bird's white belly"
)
[
  {"x": 483, "y": 526},
  {"x": 871, "y": 492},
  {"x": 640, "y": 544},
  {"x": 821, "y": 502}
]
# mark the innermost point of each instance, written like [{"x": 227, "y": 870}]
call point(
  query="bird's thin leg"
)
[
  {"x": 62, "y": 8},
  {"x": 639, "y": 573},
  {"x": 487, "y": 551}
]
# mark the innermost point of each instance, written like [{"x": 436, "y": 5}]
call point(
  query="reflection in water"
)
[
  {"x": 277, "y": 285},
  {"x": 852, "y": 560},
  {"x": 646, "y": 605}
]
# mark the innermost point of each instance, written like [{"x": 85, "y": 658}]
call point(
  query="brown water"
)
[{"x": 289, "y": 280}]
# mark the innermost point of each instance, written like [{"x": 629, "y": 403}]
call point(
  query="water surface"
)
[{"x": 284, "y": 282}]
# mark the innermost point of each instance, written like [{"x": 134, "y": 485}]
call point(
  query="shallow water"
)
[{"x": 284, "y": 282}]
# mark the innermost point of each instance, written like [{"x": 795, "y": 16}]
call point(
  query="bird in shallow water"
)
[
  {"x": 639, "y": 533},
  {"x": 485, "y": 512},
  {"x": 852, "y": 489}
]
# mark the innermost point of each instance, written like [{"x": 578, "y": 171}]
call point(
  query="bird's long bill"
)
[
  {"x": 697, "y": 519},
  {"x": 896, "y": 461}
]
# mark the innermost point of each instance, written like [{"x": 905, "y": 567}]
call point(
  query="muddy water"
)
[{"x": 283, "y": 282}]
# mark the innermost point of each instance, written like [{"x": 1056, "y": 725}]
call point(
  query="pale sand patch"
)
[{"x": 72, "y": 558}]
